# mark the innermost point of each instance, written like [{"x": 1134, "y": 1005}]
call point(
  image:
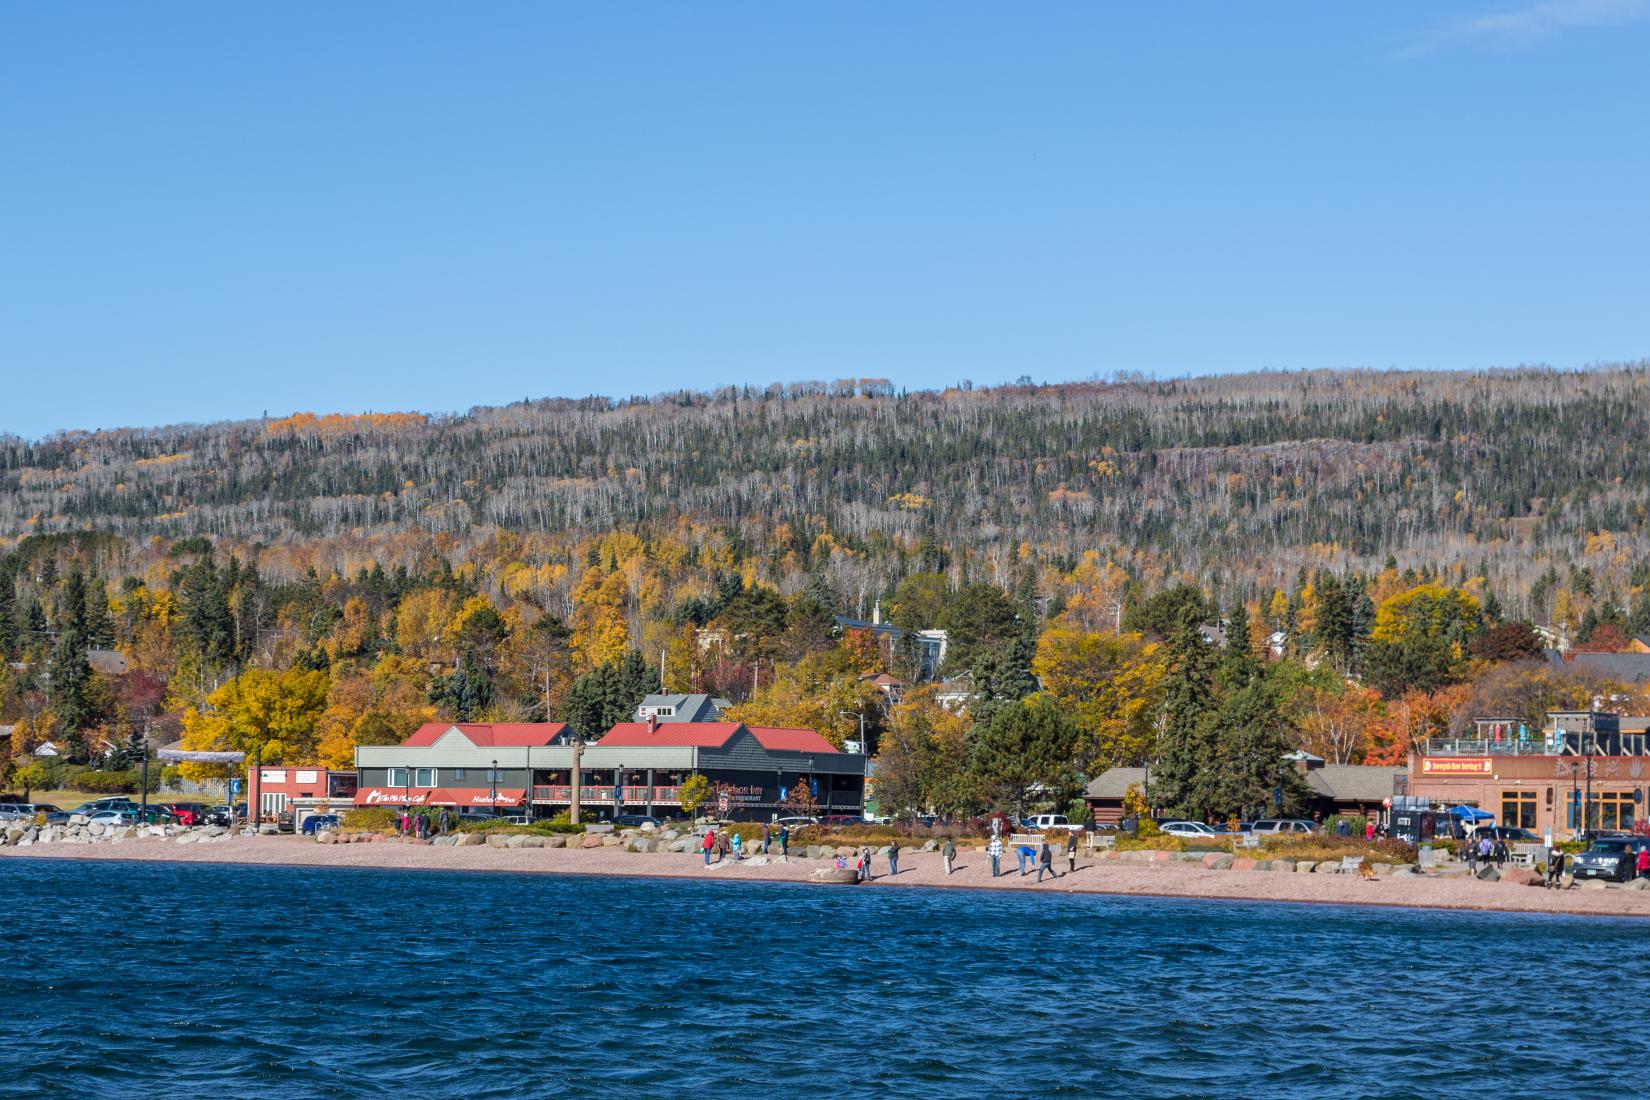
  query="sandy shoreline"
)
[{"x": 917, "y": 869}]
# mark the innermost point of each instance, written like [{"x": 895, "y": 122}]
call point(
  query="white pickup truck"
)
[{"x": 1043, "y": 823}]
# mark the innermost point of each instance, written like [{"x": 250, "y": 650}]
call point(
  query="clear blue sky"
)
[{"x": 211, "y": 210}]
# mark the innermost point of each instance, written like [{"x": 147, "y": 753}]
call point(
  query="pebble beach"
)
[{"x": 1170, "y": 879}]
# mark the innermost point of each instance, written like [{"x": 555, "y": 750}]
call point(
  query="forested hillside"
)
[
  {"x": 1367, "y": 550},
  {"x": 1226, "y": 481}
]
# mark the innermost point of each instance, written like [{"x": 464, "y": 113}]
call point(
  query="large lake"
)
[{"x": 150, "y": 979}]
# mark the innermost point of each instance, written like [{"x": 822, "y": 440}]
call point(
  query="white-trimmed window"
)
[
  {"x": 397, "y": 778},
  {"x": 423, "y": 777}
]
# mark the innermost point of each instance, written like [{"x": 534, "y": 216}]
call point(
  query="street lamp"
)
[{"x": 494, "y": 775}]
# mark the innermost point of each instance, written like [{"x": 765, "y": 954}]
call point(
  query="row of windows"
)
[
  {"x": 1611, "y": 810},
  {"x": 426, "y": 777}
]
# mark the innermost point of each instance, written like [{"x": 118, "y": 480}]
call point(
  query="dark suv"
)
[{"x": 1611, "y": 857}]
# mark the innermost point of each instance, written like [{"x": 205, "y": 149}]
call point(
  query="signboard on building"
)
[
  {"x": 1455, "y": 766},
  {"x": 722, "y": 802}
]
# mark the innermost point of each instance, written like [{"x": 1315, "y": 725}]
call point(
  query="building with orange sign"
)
[{"x": 1540, "y": 779}]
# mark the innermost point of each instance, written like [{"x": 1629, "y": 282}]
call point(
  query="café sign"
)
[{"x": 1456, "y": 766}]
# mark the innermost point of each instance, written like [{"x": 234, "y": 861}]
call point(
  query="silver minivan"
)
[{"x": 1278, "y": 826}]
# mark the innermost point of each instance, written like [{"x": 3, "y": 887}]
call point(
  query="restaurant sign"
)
[
  {"x": 1456, "y": 766},
  {"x": 391, "y": 796}
]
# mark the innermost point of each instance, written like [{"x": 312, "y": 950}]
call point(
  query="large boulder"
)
[
  {"x": 498, "y": 840},
  {"x": 680, "y": 844},
  {"x": 1218, "y": 862},
  {"x": 78, "y": 819},
  {"x": 931, "y": 846},
  {"x": 532, "y": 842},
  {"x": 1488, "y": 873},
  {"x": 471, "y": 840},
  {"x": 517, "y": 841},
  {"x": 590, "y": 840},
  {"x": 326, "y": 836},
  {"x": 1399, "y": 870},
  {"x": 556, "y": 840},
  {"x": 611, "y": 841},
  {"x": 1595, "y": 884},
  {"x": 1521, "y": 876},
  {"x": 1636, "y": 884},
  {"x": 1243, "y": 864},
  {"x": 188, "y": 838}
]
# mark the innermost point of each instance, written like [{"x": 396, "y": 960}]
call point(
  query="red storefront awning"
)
[
  {"x": 438, "y": 796},
  {"x": 393, "y": 796}
]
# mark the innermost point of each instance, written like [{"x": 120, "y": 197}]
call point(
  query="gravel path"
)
[{"x": 916, "y": 869}]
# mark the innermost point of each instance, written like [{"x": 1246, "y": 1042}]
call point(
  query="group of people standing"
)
[
  {"x": 422, "y": 824},
  {"x": 1040, "y": 857},
  {"x": 730, "y": 843}
]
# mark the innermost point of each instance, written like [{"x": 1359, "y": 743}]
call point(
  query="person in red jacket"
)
[
  {"x": 1644, "y": 862},
  {"x": 1369, "y": 829},
  {"x": 709, "y": 844}
]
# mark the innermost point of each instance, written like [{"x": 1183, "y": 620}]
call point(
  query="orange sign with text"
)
[{"x": 1432, "y": 766}]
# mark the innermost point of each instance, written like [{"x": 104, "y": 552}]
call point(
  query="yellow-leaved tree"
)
[
  {"x": 275, "y": 714},
  {"x": 1110, "y": 685}
]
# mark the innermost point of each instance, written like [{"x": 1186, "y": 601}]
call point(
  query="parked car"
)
[
  {"x": 315, "y": 823},
  {"x": 1189, "y": 829},
  {"x": 795, "y": 823},
  {"x": 116, "y": 818},
  {"x": 1611, "y": 857},
  {"x": 16, "y": 811},
  {"x": 102, "y": 804},
  {"x": 637, "y": 821},
  {"x": 1042, "y": 823},
  {"x": 189, "y": 813},
  {"x": 1275, "y": 826},
  {"x": 158, "y": 815},
  {"x": 1507, "y": 833}
]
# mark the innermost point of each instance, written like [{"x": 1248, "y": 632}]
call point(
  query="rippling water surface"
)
[{"x": 150, "y": 979}]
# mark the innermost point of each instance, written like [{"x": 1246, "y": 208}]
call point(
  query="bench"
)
[
  {"x": 1250, "y": 840},
  {"x": 1350, "y": 865}
]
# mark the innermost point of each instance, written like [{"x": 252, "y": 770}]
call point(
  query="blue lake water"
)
[{"x": 148, "y": 979}]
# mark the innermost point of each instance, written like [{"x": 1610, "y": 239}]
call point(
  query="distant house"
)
[
  {"x": 930, "y": 644},
  {"x": 955, "y": 695},
  {"x": 1105, "y": 793},
  {"x": 1623, "y": 668},
  {"x": 892, "y": 688},
  {"x": 682, "y": 708},
  {"x": 47, "y": 749}
]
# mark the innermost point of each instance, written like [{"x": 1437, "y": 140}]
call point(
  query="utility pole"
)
[{"x": 578, "y": 778}]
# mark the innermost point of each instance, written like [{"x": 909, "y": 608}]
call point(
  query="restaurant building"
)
[
  {"x": 1540, "y": 779},
  {"x": 638, "y": 767},
  {"x": 276, "y": 789}
]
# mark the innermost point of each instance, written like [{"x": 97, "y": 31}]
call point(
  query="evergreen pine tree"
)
[
  {"x": 1182, "y": 771},
  {"x": 1251, "y": 777}
]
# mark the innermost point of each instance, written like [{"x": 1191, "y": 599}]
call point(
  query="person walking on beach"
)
[
  {"x": 1643, "y": 865},
  {"x": 949, "y": 854},
  {"x": 722, "y": 847},
  {"x": 1071, "y": 853},
  {"x": 766, "y": 836},
  {"x": 1027, "y": 855},
  {"x": 865, "y": 864},
  {"x": 1501, "y": 854},
  {"x": 785, "y": 841},
  {"x": 1555, "y": 867},
  {"x": 995, "y": 851},
  {"x": 1045, "y": 861},
  {"x": 443, "y": 821},
  {"x": 1486, "y": 849},
  {"x": 1472, "y": 856},
  {"x": 893, "y": 858},
  {"x": 708, "y": 844}
]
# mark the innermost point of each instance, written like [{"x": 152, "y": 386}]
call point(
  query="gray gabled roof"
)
[
  {"x": 1625, "y": 668},
  {"x": 697, "y": 707},
  {"x": 1115, "y": 782},
  {"x": 1353, "y": 782}
]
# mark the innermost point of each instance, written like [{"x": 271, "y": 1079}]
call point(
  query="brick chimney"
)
[{"x": 653, "y": 723}]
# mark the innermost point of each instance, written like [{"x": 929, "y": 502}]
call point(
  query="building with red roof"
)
[{"x": 637, "y": 767}]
